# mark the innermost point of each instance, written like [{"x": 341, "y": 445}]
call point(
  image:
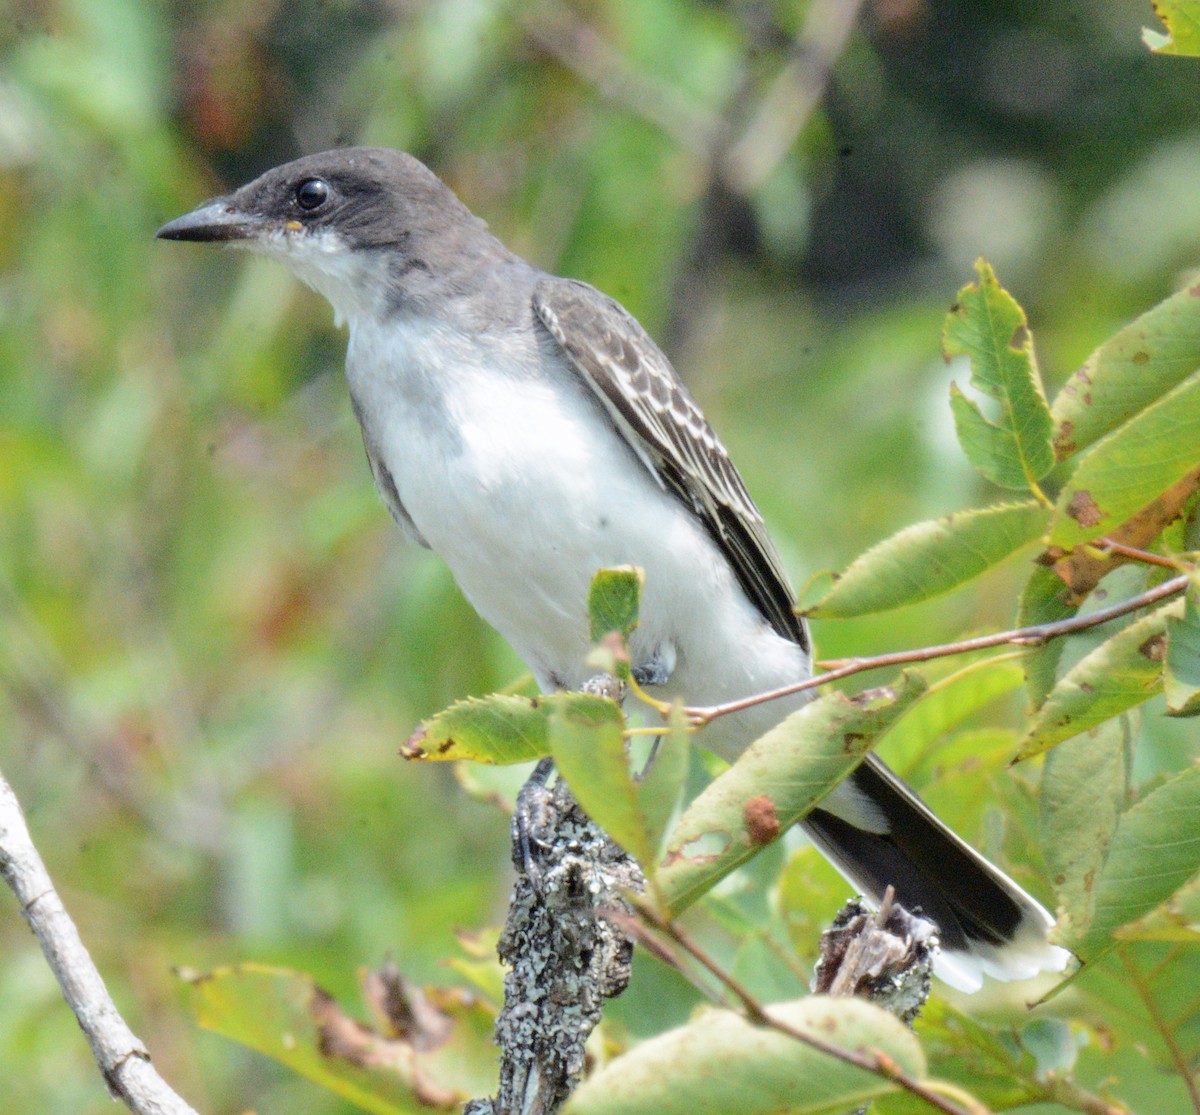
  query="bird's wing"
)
[{"x": 662, "y": 423}]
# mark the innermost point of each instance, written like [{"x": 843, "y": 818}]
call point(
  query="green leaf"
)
[
  {"x": 1129, "y": 468},
  {"x": 1133, "y": 368},
  {"x": 614, "y": 598},
  {"x": 661, "y": 786},
  {"x": 1045, "y": 599},
  {"x": 1155, "y": 851},
  {"x": 589, "y": 746},
  {"x": 284, "y": 1015},
  {"x": 1081, "y": 798},
  {"x": 1182, "y": 678},
  {"x": 1119, "y": 674},
  {"x": 503, "y": 728},
  {"x": 1182, "y": 20},
  {"x": 987, "y": 325},
  {"x": 931, "y": 558},
  {"x": 721, "y": 1063},
  {"x": 947, "y": 704},
  {"x": 779, "y": 778},
  {"x": 996, "y": 1069}
]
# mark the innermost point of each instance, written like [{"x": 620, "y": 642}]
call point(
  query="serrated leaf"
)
[
  {"x": 992, "y": 449},
  {"x": 931, "y": 558},
  {"x": 588, "y": 744},
  {"x": 987, "y": 325},
  {"x": 1182, "y": 20},
  {"x": 502, "y": 728},
  {"x": 1044, "y": 599},
  {"x": 1155, "y": 851},
  {"x": 1081, "y": 799},
  {"x": 1182, "y": 679},
  {"x": 1119, "y": 674},
  {"x": 779, "y": 778},
  {"x": 614, "y": 598},
  {"x": 996, "y": 1069},
  {"x": 1133, "y": 368},
  {"x": 1129, "y": 468},
  {"x": 947, "y": 703},
  {"x": 721, "y": 1063},
  {"x": 284, "y": 1015}
]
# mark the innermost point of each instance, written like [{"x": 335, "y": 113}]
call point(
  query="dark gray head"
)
[{"x": 357, "y": 223}]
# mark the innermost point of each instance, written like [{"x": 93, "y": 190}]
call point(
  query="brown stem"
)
[
  {"x": 1112, "y": 546},
  {"x": 868, "y": 1061},
  {"x": 1165, "y": 1030},
  {"x": 1034, "y": 636}
]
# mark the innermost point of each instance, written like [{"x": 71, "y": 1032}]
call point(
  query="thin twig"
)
[
  {"x": 579, "y": 47},
  {"x": 868, "y": 1061},
  {"x": 123, "y": 1060},
  {"x": 1034, "y": 636},
  {"x": 1148, "y": 557},
  {"x": 797, "y": 89}
]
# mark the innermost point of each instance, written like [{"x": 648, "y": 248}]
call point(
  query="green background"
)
[{"x": 212, "y": 643}]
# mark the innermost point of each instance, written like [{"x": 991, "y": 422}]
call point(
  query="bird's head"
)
[{"x": 354, "y": 223}]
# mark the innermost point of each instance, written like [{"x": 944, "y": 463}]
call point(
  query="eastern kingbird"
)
[{"x": 528, "y": 430}]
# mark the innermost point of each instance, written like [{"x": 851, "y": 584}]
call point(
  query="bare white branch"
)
[{"x": 123, "y": 1060}]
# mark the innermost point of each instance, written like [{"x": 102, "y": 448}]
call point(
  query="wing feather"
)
[{"x": 655, "y": 413}]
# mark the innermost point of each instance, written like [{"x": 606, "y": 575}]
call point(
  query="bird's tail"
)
[{"x": 878, "y": 833}]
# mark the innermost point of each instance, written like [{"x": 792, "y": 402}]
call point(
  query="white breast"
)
[{"x": 524, "y": 489}]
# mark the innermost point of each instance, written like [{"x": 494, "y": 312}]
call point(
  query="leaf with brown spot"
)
[
  {"x": 1155, "y": 851},
  {"x": 1081, "y": 797},
  {"x": 1084, "y": 567},
  {"x": 1082, "y": 508},
  {"x": 286, "y": 1016},
  {"x": 1116, "y": 676},
  {"x": 987, "y": 325},
  {"x": 1183, "y": 29},
  {"x": 795, "y": 765},
  {"x": 503, "y": 728},
  {"x": 761, "y": 820},
  {"x": 721, "y": 1062},
  {"x": 1127, "y": 373},
  {"x": 1135, "y": 465}
]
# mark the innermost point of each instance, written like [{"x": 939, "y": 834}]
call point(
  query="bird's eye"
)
[{"x": 312, "y": 193}]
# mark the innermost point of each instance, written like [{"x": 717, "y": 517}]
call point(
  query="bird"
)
[{"x": 527, "y": 429}]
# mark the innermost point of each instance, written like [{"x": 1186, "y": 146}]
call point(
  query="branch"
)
[
  {"x": 758, "y": 1013},
  {"x": 563, "y": 958},
  {"x": 578, "y": 46},
  {"x": 783, "y": 113},
  {"x": 123, "y": 1060},
  {"x": 1034, "y": 636}
]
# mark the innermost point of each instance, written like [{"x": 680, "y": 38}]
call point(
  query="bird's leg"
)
[
  {"x": 655, "y": 671},
  {"x": 529, "y": 822}
]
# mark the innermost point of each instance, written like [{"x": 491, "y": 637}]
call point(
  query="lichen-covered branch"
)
[
  {"x": 885, "y": 957},
  {"x": 564, "y": 956}
]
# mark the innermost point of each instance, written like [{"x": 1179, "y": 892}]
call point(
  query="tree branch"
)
[
  {"x": 760, "y": 1014},
  {"x": 1034, "y": 636},
  {"x": 563, "y": 958},
  {"x": 123, "y": 1060}
]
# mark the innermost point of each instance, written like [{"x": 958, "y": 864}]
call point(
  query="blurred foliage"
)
[{"x": 211, "y": 643}]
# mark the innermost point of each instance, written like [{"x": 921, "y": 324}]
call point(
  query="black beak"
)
[{"x": 213, "y": 222}]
